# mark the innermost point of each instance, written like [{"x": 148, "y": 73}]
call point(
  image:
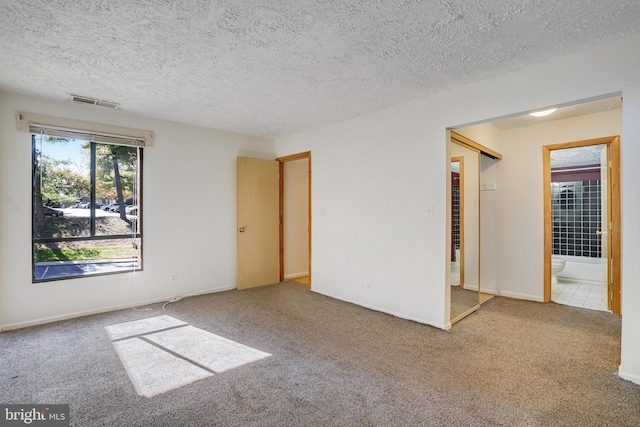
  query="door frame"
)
[
  {"x": 282, "y": 161},
  {"x": 613, "y": 262}
]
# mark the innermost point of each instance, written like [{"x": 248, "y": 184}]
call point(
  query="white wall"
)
[
  {"x": 296, "y": 218},
  {"x": 376, "y": 177},
  {"x": 189, "y": 219},
  {"x": 371, "y": 191}
]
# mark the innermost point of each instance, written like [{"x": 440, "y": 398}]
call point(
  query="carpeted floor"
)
[{"x": 512, "y": 363}]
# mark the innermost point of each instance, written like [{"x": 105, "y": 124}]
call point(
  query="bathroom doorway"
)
[{"x": 582, "y": 224}]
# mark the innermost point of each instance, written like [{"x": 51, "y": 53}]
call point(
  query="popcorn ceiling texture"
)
[{"x": 276, "y": 67}]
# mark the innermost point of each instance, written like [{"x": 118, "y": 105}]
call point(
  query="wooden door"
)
[{"x": 258, "y": 212}]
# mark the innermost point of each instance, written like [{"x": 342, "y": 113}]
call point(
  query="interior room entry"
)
[
  {"x": 295, "y": 217},
  {"x": 582, "y": 224},
  {"x": 260, "y": 222}
]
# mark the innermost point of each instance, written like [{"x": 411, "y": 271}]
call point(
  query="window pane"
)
[
  {"x": 117, "y": 189},
  {"x": 77, "y": 258},
  {"x": 61, "y": 184}
]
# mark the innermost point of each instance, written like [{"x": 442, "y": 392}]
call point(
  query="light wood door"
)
[{"x": 258, "y": 215}]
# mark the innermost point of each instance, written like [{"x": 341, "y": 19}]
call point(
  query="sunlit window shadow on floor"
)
[{"x": 163, "y": 353}]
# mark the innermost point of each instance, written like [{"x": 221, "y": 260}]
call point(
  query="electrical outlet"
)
[{"x": 173, "y": 277}]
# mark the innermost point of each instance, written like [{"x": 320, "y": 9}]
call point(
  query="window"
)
[
  {"x": 576, "y": 212},
  {"x": 87, "y": 203}
]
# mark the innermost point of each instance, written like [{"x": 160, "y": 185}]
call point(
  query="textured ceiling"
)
[
  {"x": 278, "y": 67},
  {"x": 578, "y": 156}
]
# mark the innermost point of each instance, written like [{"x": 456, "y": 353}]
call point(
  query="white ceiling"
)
[{"x": 276, "y": 67}]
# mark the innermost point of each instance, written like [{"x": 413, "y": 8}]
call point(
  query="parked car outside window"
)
[{"x": 52, "y": 212}]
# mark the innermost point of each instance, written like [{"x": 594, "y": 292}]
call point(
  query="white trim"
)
[
  {"x": 629, "y": 377},
  {"x": 67, "y": 316},
  {"x": 518, "y": 295},
  {"x": 401, "y": 316}
]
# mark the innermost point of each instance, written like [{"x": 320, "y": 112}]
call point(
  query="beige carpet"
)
[
  {"x": 162, "y": 353},
  {"x": 512, "y": 363}
]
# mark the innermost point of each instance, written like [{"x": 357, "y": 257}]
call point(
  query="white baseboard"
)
[
  {"x": 518, "y": 295},
  {"x": 43, "y": 320},
  {"x": 401, "y": 316},
  {"x": 629, "y": 377}
]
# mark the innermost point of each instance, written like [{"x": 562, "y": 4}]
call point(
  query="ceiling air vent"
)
[{"x": 92, "y": 101}]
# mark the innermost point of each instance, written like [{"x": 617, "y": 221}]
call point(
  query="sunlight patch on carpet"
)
[
  {"x": 143, "y": 326},
  {"x": 209, "y": 350},
  {"x": 154, "y": 371},
  {"x": 174, "y": 354}
]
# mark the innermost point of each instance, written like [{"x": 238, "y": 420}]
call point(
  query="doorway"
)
[
  {"x": 295, "y": 218},
  {"x": 261, "y": 225},
  {"x": 582, "y": 223}
]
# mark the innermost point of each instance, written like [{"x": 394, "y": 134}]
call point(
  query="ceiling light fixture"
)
[{"x": 543, "y": 113}]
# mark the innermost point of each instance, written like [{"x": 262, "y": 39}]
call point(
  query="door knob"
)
[{"x": 241, "y": 229}]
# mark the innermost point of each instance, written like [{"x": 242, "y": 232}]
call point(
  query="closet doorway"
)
[{"x": 468, "y": 160}]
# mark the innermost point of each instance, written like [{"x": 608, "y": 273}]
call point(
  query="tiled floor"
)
[{"x": 591, "y": 295}]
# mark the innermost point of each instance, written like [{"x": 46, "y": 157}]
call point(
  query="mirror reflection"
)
[{"x": 465, "y": 231}]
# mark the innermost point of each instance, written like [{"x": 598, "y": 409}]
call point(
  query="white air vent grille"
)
[{"x": 92, "y": 101}]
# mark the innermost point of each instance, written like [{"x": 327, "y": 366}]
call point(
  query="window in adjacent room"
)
[{"x": 87, "y": 204}]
